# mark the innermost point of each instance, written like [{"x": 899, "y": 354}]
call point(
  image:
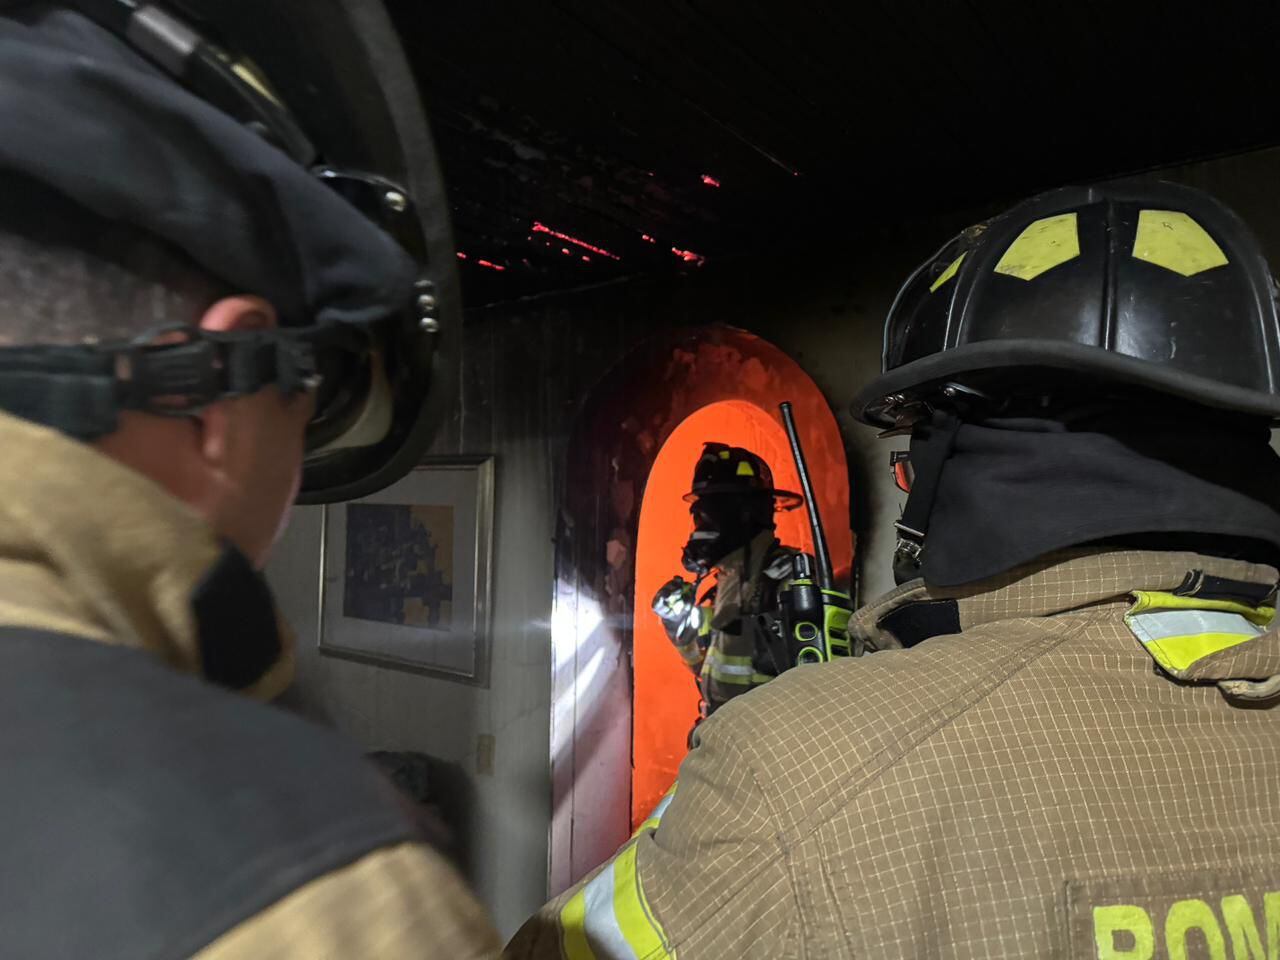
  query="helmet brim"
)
[
  {"x": 784, "y": 501},
  {"x": 341, "y": 69},
  {"x": 921, "y": 380}
]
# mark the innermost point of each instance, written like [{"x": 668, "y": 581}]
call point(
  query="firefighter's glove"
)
[{"x": 674, "y": 601}]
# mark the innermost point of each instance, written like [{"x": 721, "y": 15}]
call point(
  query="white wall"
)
[
  {"x": 386, "y": 709},
  {"x": 506, "y": 812}
]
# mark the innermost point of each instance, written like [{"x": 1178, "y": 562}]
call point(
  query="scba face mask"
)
[{"x": 723, "y": 524}]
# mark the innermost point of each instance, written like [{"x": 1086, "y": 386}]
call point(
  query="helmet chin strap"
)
[{"x": 931, "y": 445}]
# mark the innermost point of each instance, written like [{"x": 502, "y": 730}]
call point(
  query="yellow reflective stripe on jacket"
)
[
  {"x": 1179, "y": 631},
  {"x": 736, "y": 670},
  {"x": 610, "y": 919},
  {"x": 1152, "y": 600},
  {"x": 689, "y": 640},
  {"x": 651, "y": 822},
  {"x": 639, "y": 926},
  {"x": 573, "y": 929}
]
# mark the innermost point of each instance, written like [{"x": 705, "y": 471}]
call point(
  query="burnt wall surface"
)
[{"x": 525, "y": 371}]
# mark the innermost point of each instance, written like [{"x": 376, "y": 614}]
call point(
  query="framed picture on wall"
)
[{"x": 405, "y": 573}]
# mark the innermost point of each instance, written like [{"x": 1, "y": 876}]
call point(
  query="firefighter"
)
[
  {"x": 207, "y": 301},
  {"x": 1063, "y": 737},
  {"x": 733, "y": 502}
]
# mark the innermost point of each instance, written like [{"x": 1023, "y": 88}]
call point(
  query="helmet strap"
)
[{"x": 931, "y": 445}]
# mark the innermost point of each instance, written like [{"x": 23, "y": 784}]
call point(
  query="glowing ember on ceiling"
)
[
  {"x": 688, "y": 256},
  {"x": 492, "y": 266},
  {"x": 568, "y": 238},
  {"x": 709, "y": 180},
  {"x": 461, "y": 255}
]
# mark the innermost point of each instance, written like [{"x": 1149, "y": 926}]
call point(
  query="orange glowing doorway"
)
[{"x": 665, "y": 694}]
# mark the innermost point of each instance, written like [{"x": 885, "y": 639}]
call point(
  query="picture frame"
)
[{"x": 406, "y": 573}]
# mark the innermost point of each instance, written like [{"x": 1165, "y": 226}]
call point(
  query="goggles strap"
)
[{"x": 80, "y": 390}]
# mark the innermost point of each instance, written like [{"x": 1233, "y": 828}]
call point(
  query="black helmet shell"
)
[
  {"x": 1149, "y": 284},
  {"x": 723, "y": 469}
]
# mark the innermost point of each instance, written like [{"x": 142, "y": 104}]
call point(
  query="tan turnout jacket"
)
[
  {"x": 91, "y": 549},
  {"x": 731, "y": 664},
  {"x": 1085, "y": 764}
]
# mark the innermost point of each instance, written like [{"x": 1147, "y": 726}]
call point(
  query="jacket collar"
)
[
  {"x": 760, "y": 547},
  {"x": 1109, "y": 580},
  {"x": 737, "y": 574},
  {"x": 91, "y": 548}
]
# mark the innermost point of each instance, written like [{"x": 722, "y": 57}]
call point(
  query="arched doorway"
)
[
  {"x": 608, "y": 482},
  {"x": 664, "y": 694}
]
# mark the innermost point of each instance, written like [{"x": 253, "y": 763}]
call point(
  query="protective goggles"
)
[{"x": 377, "y": 393}]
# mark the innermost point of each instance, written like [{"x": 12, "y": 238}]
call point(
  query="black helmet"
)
[
  {"x": 1143, "y": 284},
  {"x": 723, "y": 469},
  {"x": 282, "y": 146}
]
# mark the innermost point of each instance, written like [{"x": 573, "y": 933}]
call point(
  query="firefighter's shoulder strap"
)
[
  {"x": 762, "y": 614},
  {"x": 146, "y": 812}
]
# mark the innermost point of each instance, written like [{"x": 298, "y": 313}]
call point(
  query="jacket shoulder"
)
[
  {"x": 401, "y": 901},
  {"x": 165, "y": 809},
  {"x": 817, "y": 735}
]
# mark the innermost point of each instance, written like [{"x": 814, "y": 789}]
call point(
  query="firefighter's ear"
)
[{"x": 229, "y": 315}]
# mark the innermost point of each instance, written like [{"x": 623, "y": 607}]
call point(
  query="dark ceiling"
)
[{"x": 584, "y": 140}]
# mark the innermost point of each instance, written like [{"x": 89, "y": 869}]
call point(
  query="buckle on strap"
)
[
  {"x": 910, "y": 541},
  {"x": 170, "y": 377}
]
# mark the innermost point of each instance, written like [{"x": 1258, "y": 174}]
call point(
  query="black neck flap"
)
[{"x": 1016, "y": 489}]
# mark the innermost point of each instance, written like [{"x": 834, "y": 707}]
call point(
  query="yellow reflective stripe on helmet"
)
[
  {"x": 745, "y": 469},
  {"x": 1179, "y": 631},
  {"x": 1042, "y": 246},
  {"x": 610, "y": 919},
  {"x": 1173, "y": 240},
  {"x": 947, "y": 274}
]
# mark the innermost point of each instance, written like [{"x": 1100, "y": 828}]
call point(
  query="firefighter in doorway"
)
[
  {"x": 733, "y": 502},
  {"x": 1064, "y": 737}
]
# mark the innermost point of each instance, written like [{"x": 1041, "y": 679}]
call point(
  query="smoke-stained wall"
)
[
  {"x": 520, "y": 374},
  {"x": 525, "y": 369}
]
